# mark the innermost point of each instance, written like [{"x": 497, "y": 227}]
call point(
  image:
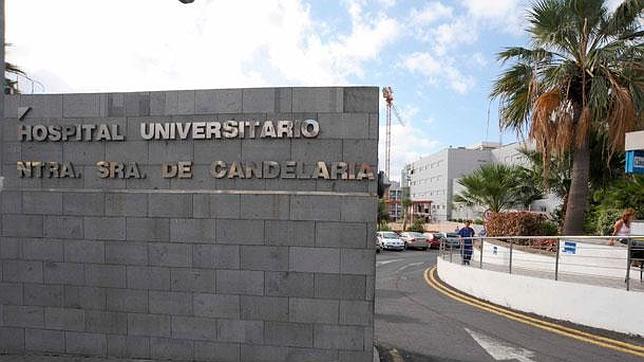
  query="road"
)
[{"x": 414, "y": 322}]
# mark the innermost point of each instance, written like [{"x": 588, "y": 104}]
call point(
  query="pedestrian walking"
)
[
  {"x": 466, "y": 233},
  {"x": 622, "y": 227},
  {"x": 622, "y": 232}
]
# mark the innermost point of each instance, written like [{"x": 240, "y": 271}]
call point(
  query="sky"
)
[{"x": 438, "y": 56}]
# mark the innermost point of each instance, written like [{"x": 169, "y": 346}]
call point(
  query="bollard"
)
[
  {"x": 557, "y": 260},
  {"x": 510, "y": 264},
  {"x": 628, "y": 265},
  {"x": 481, "y": 257}
]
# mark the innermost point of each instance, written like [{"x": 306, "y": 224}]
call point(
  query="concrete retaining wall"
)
[
  {"x": 600, "y": 307},
  {"x": 197, "y": 268}
]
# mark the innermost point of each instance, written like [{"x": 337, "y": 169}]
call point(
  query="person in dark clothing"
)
[{"x": 467, "y": 232}]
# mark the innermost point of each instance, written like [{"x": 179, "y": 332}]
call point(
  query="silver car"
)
[
  {"x": 389, "y": 240},
  {"x": 414, "y": 240}
]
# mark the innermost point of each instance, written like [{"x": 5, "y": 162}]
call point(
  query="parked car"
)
[
  {"x": 452, "y": 240},
  {"x": 414, "y": 240},
  {"x": 434, "y": 239},
  {"x": 389, "y": 240}
]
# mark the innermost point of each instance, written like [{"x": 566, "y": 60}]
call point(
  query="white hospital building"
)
[{"x": 435, "y": 177}]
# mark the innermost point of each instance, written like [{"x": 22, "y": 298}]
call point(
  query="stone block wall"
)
[{"x": 190, "y": 269}]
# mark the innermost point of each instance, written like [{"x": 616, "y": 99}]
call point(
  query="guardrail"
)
[{"x": 595, "y": 260}]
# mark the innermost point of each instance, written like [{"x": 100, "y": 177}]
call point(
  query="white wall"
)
[
  {"x": 637, "y": 227},
  {"x": 592, "y": 260},
  {"x": 599, "y": 307}
]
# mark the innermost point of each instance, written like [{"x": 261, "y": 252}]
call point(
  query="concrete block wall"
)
[{"x": 190, "y": 269}]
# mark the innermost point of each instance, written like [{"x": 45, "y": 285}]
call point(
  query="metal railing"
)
[{"x": 596, "y": 260}]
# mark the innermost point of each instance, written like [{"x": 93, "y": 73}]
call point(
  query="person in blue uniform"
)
[{"x": 467, "y": 232}]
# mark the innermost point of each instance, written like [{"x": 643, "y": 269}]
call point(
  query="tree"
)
[
  {"x": 608, "y": 203},
  {"x": 556, "y": 180},
  {"x": 582, "y": 74},
  {"x": 383, "y": 212},
  {"x": 493, "y": 186},
  {"x": 11, "y": 86},
  {"x": 528, "y": 188},
  {"x": 406, "y": 205}
]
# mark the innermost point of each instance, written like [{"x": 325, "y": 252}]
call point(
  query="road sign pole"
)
[
  {"x": 481, "y": 256},
  {"x": 510, "y": 263},
  {"x": 557, "y": 260}
]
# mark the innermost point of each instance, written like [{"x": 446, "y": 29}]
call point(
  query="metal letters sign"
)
[{"x": 207, "y": 131}]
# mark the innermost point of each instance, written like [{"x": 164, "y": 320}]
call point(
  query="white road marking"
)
[
  {"x": 385, "y": 262},
  {"x": 499, "y": 350},
  {"x": 407, "y": 266}
]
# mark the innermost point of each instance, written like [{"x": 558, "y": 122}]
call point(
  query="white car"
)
[
  {"x": 414, "y": 240},
  {"x": 389, "y": 240}
]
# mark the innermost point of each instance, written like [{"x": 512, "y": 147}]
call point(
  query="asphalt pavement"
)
[{"x": 414, "y": 322}]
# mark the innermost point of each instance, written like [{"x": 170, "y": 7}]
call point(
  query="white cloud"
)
[
  {"x": 450, "y": 35},
  {"x": 431, "y": 13},
  {"x": 408, "y": 113},
  {"x": 438, "y": 70},
  {"x": 408, "y": 143},
  {"x": 479, "y": 59},
  {"x": 151, "y": 44},
  {"x": 507, "y": 15},
  {"x": 449, "y": 29}
]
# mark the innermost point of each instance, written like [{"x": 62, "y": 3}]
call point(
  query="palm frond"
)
[
  {"x": 552, "y": 26},
  {"x": 522, "y": 54},
  {"x": 515, "y": 89},
  {"x": 12, "y": 68},
  {"x": 623, "y": 18},
  {"x": 621, "y": 114}
]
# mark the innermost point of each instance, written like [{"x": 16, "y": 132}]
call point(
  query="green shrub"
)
[
  {"x": 479, "y": 221},
  {"x": 550, "y": 228},
  {"x": 418, "y": 226},
  {"x": 607, "y": 204},
  {"x": 601, "y": 221}
]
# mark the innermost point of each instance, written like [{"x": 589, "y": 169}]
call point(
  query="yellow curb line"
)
[{"x": 605, "y": 342}]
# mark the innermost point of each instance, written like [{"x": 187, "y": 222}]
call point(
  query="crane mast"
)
[{"x": 388, "y": 95}]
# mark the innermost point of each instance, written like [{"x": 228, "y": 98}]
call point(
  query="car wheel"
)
[{"x": 405, "y": 246}]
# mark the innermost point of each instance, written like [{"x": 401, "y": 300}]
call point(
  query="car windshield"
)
[
  {"x": 389, "y": 235},
  {"x": 416, "y": 235},
  {"x": 452, "y": 235}
]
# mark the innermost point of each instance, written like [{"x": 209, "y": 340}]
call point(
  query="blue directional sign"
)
[
  {"x": 570, "y": 247},
  {"x": 635, "y": 161}
]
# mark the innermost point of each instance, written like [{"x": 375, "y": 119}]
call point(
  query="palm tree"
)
[
  {"x": 528, "y": 188},
  {"x": 555, "y": 181},
  {"x": 582, "y": 73},
  {"x": 493, "y": 186},
  {"x": 11, "y": 86}
]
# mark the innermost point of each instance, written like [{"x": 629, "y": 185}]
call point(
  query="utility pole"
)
[
  {"x": 2, "y": 71},
  {"x": 2, "y": 60}
]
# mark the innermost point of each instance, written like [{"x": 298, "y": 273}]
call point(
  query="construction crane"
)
[{"x": 388, "y": 95}]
